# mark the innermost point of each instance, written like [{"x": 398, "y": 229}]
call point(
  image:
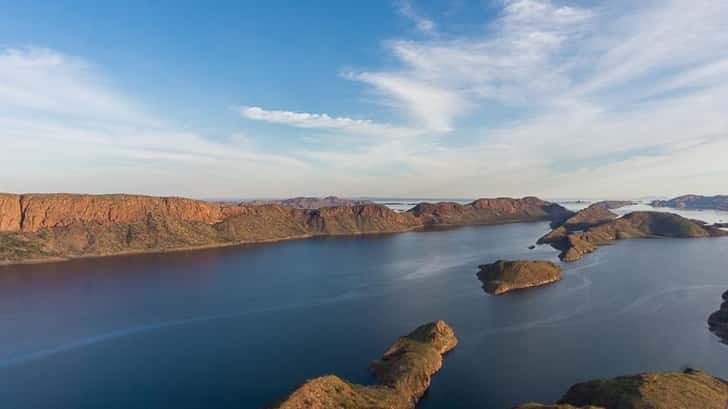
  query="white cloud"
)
[
  {"x": 324, "y": 121},
  {"x": 423, "y": 24},
  {"x": 615, "y": 99},
  {"x": 63, "y": 127}
]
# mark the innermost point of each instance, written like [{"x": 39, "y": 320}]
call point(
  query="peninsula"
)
[
  {"x": 688, "y": 389},
  {"x": 403, "y": 375},
  {"x": 49, "y": 227},
  {"x": 595, "y": 226},
  {"x": 503, "y": 276}
]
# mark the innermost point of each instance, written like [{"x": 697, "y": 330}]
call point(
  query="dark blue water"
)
[{"x": 240, "y": 327}]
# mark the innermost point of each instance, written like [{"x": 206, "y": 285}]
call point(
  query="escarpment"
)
[
  {"x": 57, "y": 226},
  {"x": 403, "y": 375},
  {"x": 595, "y": 228}
]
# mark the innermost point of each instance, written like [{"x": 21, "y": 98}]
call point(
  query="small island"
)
[
  {"x": 718, "y": 321},
  {"x": 614, "y": 204},
  {"x": 503, "y": 276},
  {"x": 403, "y": 375},
  {"x": 688, "y": 389}
]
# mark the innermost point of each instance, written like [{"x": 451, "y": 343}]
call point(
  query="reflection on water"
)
[{"x": 239, "y": 327}]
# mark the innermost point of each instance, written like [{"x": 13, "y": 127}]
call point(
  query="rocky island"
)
[
  {"x": 614, "y": 204},
  {"x": 695, "y": 202},
  {"x": 657, "y": 390},
  {"x": 47, "y": 227},
  {"x": 403, "y": 375},
  {"x": 718, "y": 321},
  {"x": 503, "y": 276},
  {"x": 591, "y": 227}
]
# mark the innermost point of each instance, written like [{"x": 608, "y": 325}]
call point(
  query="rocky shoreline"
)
[
  {"x": 53, "y": 227},
  {"x": 595, "y": 226},
  {"x": 718, "y": 321},
  {"x": 403, "y": 375},
  {"x": 659, "y": 390},
  {"x": 504, "y": 276}
]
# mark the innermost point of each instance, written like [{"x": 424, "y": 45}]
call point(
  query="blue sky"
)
[{"x": 383, "y": 98}]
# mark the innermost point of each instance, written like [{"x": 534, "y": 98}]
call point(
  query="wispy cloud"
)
[
  {"x": 324, "y": 121},
  {"x": 58, "y": 112},
  {"x": 613, "y": 98},
  {"x": 422, "y": 23}
]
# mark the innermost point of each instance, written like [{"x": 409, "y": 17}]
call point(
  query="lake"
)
[{"x": 239, "y": 327}]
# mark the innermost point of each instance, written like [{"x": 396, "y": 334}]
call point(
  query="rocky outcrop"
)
[
  {"x": 657, "y": 390},
  {"x": 583, "y": 219},
  {"x": 575, "y": 244},
  {"x": 503, "y": 276},
  {"x": 718, "y": 202},
  {"x": 614, "y": 204},
  {"x": 55, "y": 226},
  {"x": 312, "y": 202},
  {"x": 403, "y": 375},
  {"x": 35, "y": 212},
  {"x": 718, "y": 321},
  {"x": 10, "y": 214},
  {"x": 489, "y": 211}
]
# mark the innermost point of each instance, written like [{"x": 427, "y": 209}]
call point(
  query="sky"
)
[{"x": 241, "y": 99}]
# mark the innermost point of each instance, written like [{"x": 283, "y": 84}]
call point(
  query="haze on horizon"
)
[{"x": 384, "y": 99}]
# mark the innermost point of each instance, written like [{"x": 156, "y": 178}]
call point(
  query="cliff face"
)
[
  {"x": 718, "y": 202},
  {"x": 503, "y": 276},
  {"x": 403, "y": 375},
  {"x": 688, "y": 389},
  {"x": 43, "y": 226},
  {"x": 575, "y": 244},
  {"x": 44, "y": 211},
  {"x": 10, "y": 215}
]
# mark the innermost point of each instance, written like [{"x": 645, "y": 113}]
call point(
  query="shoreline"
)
[{"x": 419, "y": 229}]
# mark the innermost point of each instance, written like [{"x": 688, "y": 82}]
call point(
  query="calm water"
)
[{"x": 239, "y": 327}]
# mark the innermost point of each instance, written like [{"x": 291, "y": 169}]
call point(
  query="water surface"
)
[{"x": 239, "y": 327}]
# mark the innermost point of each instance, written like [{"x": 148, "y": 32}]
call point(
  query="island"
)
[
  {"x": 695, "y": 202},
  {"x": 614, "y": 204},
  {"x": 589, "y": 228},
  {"x": 53, "y": 227},
  {"x": 403, "y": 375},
  {"x": 659, "y": 390},
  {"x": 503, "y": 276},
  {"x": 718, "y": 321}
]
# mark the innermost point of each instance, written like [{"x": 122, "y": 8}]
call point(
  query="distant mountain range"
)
[
  {"x": 312, "y": 202},
  {"x": 718, "y": 202}
]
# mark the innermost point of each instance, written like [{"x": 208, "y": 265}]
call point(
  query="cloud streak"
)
[{"x": 324, "y": 121}]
